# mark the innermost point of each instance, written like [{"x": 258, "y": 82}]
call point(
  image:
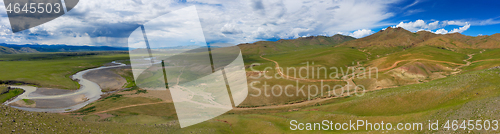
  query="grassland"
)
[
  {"x": 422, "y": 52},
  {"x": 52, "y": 69},
  {"x": 488, "y": 54},
  {"x": 17, "y": 121},
  {"x": 471, "y": 95},
  {"x": 465, "y": 96},
  {"x": 338, "y": 57},
  {"x": 460, "y": 92},
  {"x": 8, "y": 94},
  {"x": 28, "y": 101}
]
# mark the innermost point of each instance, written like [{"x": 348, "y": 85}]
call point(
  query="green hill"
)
[
  {"x": 281, "y": 46},
  {"x": 6, "y": 50},
  {"x": 393, "y": 40}
]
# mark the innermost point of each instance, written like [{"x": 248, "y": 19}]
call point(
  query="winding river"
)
[{"x": 88, "y": 93}]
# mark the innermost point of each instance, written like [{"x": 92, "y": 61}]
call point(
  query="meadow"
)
[
  {"x": 461, "y": 92},
  {"x": 471, "y": 95},
  {"x": 53, "y": 69}
]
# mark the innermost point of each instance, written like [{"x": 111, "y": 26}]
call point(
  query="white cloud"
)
[
  {"x": 461, "y": 29},
  {"x": 414, "y": 11},
  {"x": 441, "y": 31},
  {"x": 361, "y": 33},
  {"x": 420, "y": 25},
  {"x": 412, "y": 4},
  {"x": 456, "y": 30},
  {"x": 230, "y": 29},
  {"x": 221, "y": 20}
]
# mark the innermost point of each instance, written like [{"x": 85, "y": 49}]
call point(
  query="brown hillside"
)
[
  {"x": 399, "y": 37},
  {"x": 391, "y": 37},
  {"x": 267, "y": 47}
]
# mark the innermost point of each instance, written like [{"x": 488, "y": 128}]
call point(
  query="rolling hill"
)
[
  {"x": 6, "y": 50},
  {"x": 280, "y": 46},
  {"x": 421, "y": 76},
  {"x": 397, "y": 39}
]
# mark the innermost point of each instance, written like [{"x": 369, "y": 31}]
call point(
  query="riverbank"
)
[{"x": 89, "y": 92}]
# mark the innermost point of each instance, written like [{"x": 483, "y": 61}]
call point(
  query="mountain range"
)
[
  {"x": 29, "y": 48},
  {"x": 383, "y": 42}
]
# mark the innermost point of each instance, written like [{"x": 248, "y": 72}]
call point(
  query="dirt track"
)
[{"x": 316, "y": 100}]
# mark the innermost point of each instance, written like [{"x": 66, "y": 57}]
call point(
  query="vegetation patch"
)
[
  {"x": 87, "y": 110},
  {"x": 52, "y": 69},
  {"x": 28, "y": 101},
  {"x": 10, "y": 94}
]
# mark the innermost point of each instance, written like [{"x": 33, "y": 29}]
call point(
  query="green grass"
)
[
  {"x": 114, "y": 101},
  {"x": 41, "y": 122},
  {"x": 443, "y": 99},
  {"x": 52, "y": 69},
  {"x": 488, "y": 54},
  {"x": 282, "y": 46},
  {"x": 12, "y": 93},
  {"x": 423, "y": 52},
  {"x": 452, "y": 91},
  {"x": 337, "y": 57},
  {"x": 459, "y": 97},
  {"x": 28, "y": 101},
  {"x": 140, "y": 119},
  {"x": 128, "y": 76},
  {"x": 91, "y": 118},
  {"x": 141, "y": 91},
  {"x": 3, "y": 89}
]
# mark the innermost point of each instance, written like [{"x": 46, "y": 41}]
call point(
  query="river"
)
[{"x": 89, "y": 89}]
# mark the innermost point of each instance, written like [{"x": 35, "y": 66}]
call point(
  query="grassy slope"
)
[
  {"x": 444, "y": 99},
  {"x": 52, "y": 69},
  {"x": 486, "y": 55},
  {"x": 37, "y": 122},
  {"x": 422, "y": 52},
  {"x": 447, "y": 98},
  {"x": 472, "y": 95},
  {"x": 6, "y": 50},
  {"x": 339, "y": 57},
  {"x": 12, "y": 93},
  {"x": 281, "y": 46}
]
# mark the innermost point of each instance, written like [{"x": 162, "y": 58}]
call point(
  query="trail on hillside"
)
[
  {"x": 280, "y": 72},
  {"x": 349, "y": 85},
  {"x": 349, "y": 82},
  {"x": 320, "y": 99}
]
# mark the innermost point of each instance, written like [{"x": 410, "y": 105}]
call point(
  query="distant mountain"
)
[
  {"x": 181, "y": 47},
  {"x": 399, "y": 37},
  {"x": 28, "y": 48},
  {"x": 6, "y": 50},
  {"x": 267, "y": 47}
]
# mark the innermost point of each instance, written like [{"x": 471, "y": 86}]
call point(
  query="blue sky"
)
[
  {"x": 109, "y": 23},
  {"x": 482, "y": 14}
]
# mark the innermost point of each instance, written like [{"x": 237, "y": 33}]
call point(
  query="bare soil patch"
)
[{"x": 107, "y": 79}]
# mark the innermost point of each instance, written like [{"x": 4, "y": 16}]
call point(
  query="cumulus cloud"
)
[
  {"x": 456, "y": 30},
  {"x": 421, "y": 25},
  {"x": 230, "y": 29},
  {"x": 361, "y": 33},
  {"x": 95, "y": 22}
]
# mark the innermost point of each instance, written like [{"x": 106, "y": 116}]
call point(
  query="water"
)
[{"x": 91, "y": 90}]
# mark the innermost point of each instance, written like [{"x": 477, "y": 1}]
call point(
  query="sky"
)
[{"x": 110, "y": 22}]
